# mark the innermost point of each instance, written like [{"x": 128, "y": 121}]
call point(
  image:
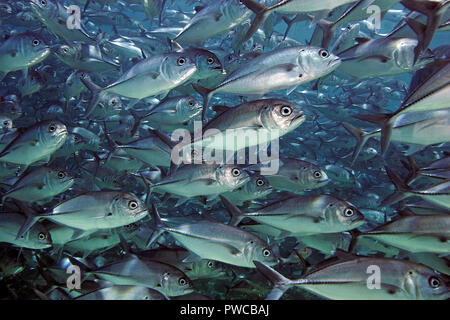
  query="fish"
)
[
  {"x": 123, "y": 292},
  {"x": 220, "y": 242},
  {"x": 36, "y": 237},
  {"x": 415, "y": 233},
  {"x": 276, "y": 70},
  {"x": 85, "y": 57},
  {"x": 35, "y": 143},
  {"x": 135, "y": 271},
  {"x": 39, "y": 184},
  {"x": 213, "y": 19},
  {"x": 303, "y": 215},
  {"x": 297, "y": 176},
  {"x": 381, "y": 57},
  {"x": 260, "y": 120},
  {"x": 55, "y": 17},
  {"x": 192, "y": 180},
  {"x": 21, "y": 51},
  {"x": 93, "y": 210},
  {"x": 155, "y": 75},
  {"x": 348, "y": 280}
]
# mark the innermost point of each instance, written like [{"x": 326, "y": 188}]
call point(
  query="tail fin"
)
[
  {"x": 434, "y": 11},
  {"x": 236, "y": 214},
  {"x": 32, "y": 219},
  {"x": 413, "y": 169},
  {"x": 401, "y": 187},
  {"x": 298, "y": 17},
  {"x": 160, "y": 226},
  {"x": 361, "y": 139},
  {"x": 95, "y": 89},
  {"x": 281, "y": 283},
  {"x": 328, "y": 29},
  {"x": 384, "y": 121},
  {"x": 206, "y": 94},
  {"x": 262, "y": 12},
  {"x": 137, "y": 122}
]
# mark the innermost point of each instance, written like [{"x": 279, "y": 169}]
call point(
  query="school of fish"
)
[{"x": 224, "y": 149}]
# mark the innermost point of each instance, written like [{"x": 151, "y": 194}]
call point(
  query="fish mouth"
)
[
  {"x": 299, "y": 118},
  {"x": 334, "y": 62}
]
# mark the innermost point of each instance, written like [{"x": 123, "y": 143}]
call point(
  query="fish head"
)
[
  {"x": 188, "y": 108},
  {"x": 44, "y": 9},
  {"x": 178, "y": 67},
  {"x": 317, "y": 62},
  {"x": 31, "y": 47},
  {"x": 60, "y": 178},
  {"x": 53, "y": 131},
  {"x": 129, "y": 207},
  {"x": 311, "y": 175},
  {"x": 11, "y": 108},
  {"x": 423, "y": 281},
  {"x": 258, "y": 186},
  {"x": 231, "y": 61},
  {"x": 176, "y": 283},
  {"x": 206, "y": 268},
  {"x": 40, "y": 237},
  {"x": 6, "y": 123},
  {"x": 109, "y": 105},
  {"x": 258, "y": 250},
  {"x": 343, "y": 213},
  {"x": 207, "y": 63},
  {"x": 5, "y": 9},
  {"x": 65, "y": 52},
  {"x": 281, "y": 115},
  {"x": 232, "y": 176}
]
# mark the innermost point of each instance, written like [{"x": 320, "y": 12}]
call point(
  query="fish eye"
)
[
  {"x": 286, "y": 111},
  {"x": 230, "y": 58},
  {"x": 235, "y": 172},
  {"x": 36, "y": 42},
  {"x": 182, "y": 281},
  {"x": 211, "y": 264},
  {"x": 113, "y": 102},
  {"x": 146, "y": 298},
  {"x": 181, "y": 61},
  {"x": 191, "y": 103},
  {"x": 43, "y": 2},
  {"x": 434, "y": 282},
  {"x": 42, "y": 236},
  {"x": 317, "y": 174},
  {"x": 260, "y": 182},
  {"x": 266, "y": 252},
  {"x": 65, "y": 50},
  {"x": 51, "y": 128},
  {"x": 61, "y": 174},
  {"x": 6, "y": 123},
  {"x": 348, "y": 212},
  {"x": 324, "y": 53},
  {"x": 132, "y": 204},
  {"x": 210, "y": 60}
]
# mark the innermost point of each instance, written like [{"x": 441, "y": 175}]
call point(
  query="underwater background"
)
[{"x": 352, "y": 95}]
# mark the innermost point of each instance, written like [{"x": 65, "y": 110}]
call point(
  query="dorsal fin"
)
[
  {"x": 219, "y": 109},
  {"x": 362, "y": 40},
  {"x": 199, "y": 8}
]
